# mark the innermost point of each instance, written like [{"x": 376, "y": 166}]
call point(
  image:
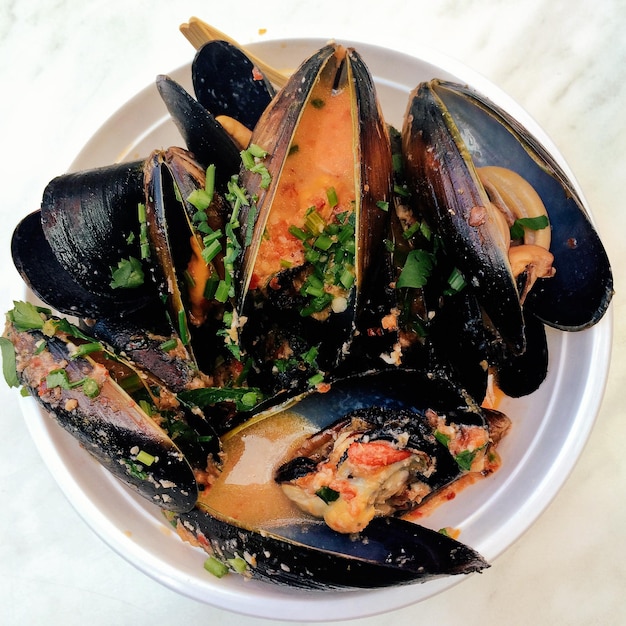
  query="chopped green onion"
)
[
  {"x": 90, "y": 387},
  {"x": 87, "y": 348},
  {"x": 207, "y": 396},
  {"x": 211, "y": 251},
  {"x": 146, "y": 407},
  {"x": 327, "y": 494},
  {"x": 323, "y": 242},
  {"x": 331, "y": 195},
  {"x": 412, "y": 229},
  {"x": 401, "y": 190},
  {"x": 209, "y": 184},
  {"x": 183, "y": 331},
  {"x": 347, "y": 278},
  {"x": 314, "y": 222},
  {"x": 238, "y": 564},
  {"x": 215, "y": 567},
  {"x": 168, "y": 345},
  {"x": 316, "y": 379},
  {"x": 200, "y": 199},
  {"x": 397, "y": 163},
  {"x": 383, "y": 205},
  {"x": 145, "y": 458},
  {"x": 312, "y": 290},
  {"x": 456, "y": 282},
  {"x": 221, "y": 293},
  {"x": 249, "y": 399},
  {"x": 247, "y": 159},
  {"x": 256, "y": 151},
  {"x": 210, "y": 286},
  {"x": 298, "y": 233},
  {"x": 199, "y": 216}
]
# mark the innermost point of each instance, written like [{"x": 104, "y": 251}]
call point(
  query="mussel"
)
[
  {"x": 310, "y": 237},
  {"x": 478, "y": 175},
  {"x": 402, "y": 412},
  {"x": 120, "y": 415}
]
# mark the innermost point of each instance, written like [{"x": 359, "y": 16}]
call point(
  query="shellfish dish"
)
[{"x": 290, "y": 333}]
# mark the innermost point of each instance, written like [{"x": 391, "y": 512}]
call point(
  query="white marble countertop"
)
[{"x": 67, "y": 66}]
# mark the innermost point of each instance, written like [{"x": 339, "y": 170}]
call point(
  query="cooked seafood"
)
[
  {"x": 274, "y": 264},
  {"x": 479, "y": 177}
]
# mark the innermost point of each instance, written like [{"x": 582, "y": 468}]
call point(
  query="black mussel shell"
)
[
  {"x": 582, "y": 288},
  {"x": 53, "y": 284},
  {"x": 443, "y": 179},
  {"x": 226, "y": 82},
  {"x": 312, "y": 556},
  {"x": 110, "y": 426},
  {"x": 89, "y": 218},
  {"x": 204, "y": 136}
]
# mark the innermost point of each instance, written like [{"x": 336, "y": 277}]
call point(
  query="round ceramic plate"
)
[{"x": 550, "y": 427}]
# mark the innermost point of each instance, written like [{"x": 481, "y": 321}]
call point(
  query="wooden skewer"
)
[{"x": 198, "y": 33}]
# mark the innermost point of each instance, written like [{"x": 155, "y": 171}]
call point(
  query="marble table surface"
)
[{"x": 65, "y": 67}]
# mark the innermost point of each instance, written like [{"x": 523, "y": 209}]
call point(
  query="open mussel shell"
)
[
  {"x": 303, "y": 552},
  {"x": 111, "y": 425},
  {"x": 441, "y": 172},
  {"x": 330, "y": 96},
  {"x": 480, "y": 133},
  {"x": 204, "y": 136},
  {"x": 310, "y": 555},
  {"x": 226, "y": 82},
  {"x": 53, "y": 284},
  {"x": 171, "y": 177},
  {"x": 66, "y": 251},
  {"x": 141, "y": 336},
  {"x": 88, "y": 218}
]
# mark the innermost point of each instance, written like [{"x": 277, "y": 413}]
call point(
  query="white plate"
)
[{"x": 549, "y": 432}]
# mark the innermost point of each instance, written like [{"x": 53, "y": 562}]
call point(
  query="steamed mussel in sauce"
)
[{"x": 301, "y": 252}]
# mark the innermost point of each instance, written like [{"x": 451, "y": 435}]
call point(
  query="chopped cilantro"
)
[
  {"x": 27, "y": 316},
  {"x": 465, "y": 459},
  {"x": 8, "y": 363},
  {"x": 442, "y": 438},
  {"x": 128, "y": 274},
  {"x": 417, "y": 269},
  {"x": 532, "y": 223}
]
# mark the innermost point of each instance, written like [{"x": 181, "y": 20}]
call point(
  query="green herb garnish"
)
[
  {"x": 465, "y": 459},
  {"x": 532, "y": 223},
  {"x": 127, "y": 275},
  {"x": 417, "y": 269},
  {"x": 215, "y": 567},
  {"x": 9, "y": 368},
  {"x": 327, "y": 494}
]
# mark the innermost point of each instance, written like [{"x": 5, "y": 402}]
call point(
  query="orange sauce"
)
[
  {"x": 200, "y": 272},
  {"x": 321, "y": 156},
  {"x": 246, "y": 489}
]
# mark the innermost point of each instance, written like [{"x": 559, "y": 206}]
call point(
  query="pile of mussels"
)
[{"x": 300, "y": 248}]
